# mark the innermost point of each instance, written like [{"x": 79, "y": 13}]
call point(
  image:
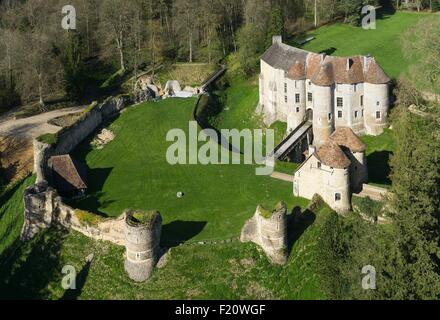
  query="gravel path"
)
[{"x": 34, "y": 126}]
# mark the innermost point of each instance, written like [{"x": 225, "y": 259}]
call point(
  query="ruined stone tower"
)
[
  {"x": 268, "y": 229},
  {"x": 142, "y": 235}
]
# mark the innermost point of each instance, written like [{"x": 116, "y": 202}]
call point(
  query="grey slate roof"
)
[{"x": 324, "y": 70}]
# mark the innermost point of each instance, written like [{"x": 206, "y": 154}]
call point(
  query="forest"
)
[{"x": 41, "y": 62}]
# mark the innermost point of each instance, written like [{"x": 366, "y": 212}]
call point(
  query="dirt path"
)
[
  {"x": 282, "y": 176},
  {"x": 33, "y": 126}
]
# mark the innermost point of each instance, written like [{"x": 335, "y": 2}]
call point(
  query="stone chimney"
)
[{"x": 277, "y": 39}]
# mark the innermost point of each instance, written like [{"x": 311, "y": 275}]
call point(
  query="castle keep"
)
[
  {"x": 326, "y": 101},
  {"x": 297, "y": 85}
]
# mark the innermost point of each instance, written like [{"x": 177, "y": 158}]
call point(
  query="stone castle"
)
[
  {"x": 334, "y": 170},
  {"x": 297, "y": 85},
  {"x": 338, "y": 98}
]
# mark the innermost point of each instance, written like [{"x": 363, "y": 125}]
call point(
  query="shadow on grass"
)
[
  {"x": 328, "y": 51},
  {"x": 378, "y": 167},
  {"x": 81, "y": 277},
  {"x": 93, "y": 201},
  {"x": 298, "y": 222},
  {"x": 27, "y": 271},
  {"x": 177, "y": 232}
]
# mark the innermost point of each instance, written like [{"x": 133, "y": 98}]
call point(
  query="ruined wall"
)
[
  {"x": 70, "y": 137},
  {"x": 44, "y": 208},
  {"x": 268, "y": 229}
]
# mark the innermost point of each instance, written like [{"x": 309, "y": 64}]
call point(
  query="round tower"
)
[
  {"x": 376, "y": 96},
  {"x": 322, "y": 114},
  {"x": 272, "y": 226},
  {"x": 376, "y": 108},
  {"x": 142, "y": 239},
  {"x": 338, "y": 194}
]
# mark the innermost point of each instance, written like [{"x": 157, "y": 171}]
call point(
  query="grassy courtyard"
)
[
  {"x": 132, "y": 172},
  {"x": 383, "y": 43}
]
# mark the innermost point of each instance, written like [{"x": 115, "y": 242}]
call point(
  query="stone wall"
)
[
  {"x": 268, "y": 229},
  {"x": 44, "y": 208},
  {"x": 70, "y": 137}
]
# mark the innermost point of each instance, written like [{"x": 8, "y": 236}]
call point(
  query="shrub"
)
[
  {"x": 88, "y": 218},
  {"x": 48, "y": 138}
]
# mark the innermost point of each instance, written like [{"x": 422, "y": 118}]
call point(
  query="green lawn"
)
[
  {"x": 132, "y": 172},
  {"x": 215, "y": 271},
  {"x": 380, "y": 148},
  {"x": 383, "y": 43}
]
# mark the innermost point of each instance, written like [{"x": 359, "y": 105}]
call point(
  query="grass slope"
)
[
  {"x": 11, "y": 215},
  {"x": 132, "y": 172},
  {"x": 383, "y": 42},
  {"x": 216, "y": 271}
]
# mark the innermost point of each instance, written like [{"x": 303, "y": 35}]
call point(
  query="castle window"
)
[
  {"x": 339, "y": 114},
  {"x": 340, "y": 102},
  {"x": 285, "y": 87},
  {"x": 297, "y": 98},
  {"x": 319, "y": 165},
  {"x": 378, "y": 115},
  {"x": 285, "y": 99},
  {"x": 310, "y": 97},
  {"x": 138, "y": 256},
  {"x": 362, "y": 101},
  {"x": 329, "y": 116},
  {"x": 297, "y": 109},
  {"x": 378, "y": 103},
  {"x": 356, "y": 114},
  {"x": 295, "y": 84},
  {"x": 355, "y": 87},
  {"x": 362, "y": 113},
  {"x": 337, "y": 197}
]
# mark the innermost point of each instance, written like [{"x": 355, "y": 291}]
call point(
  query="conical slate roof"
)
[
  {"x": 345, "y": 137},
  {"x": 375, "y": 74},
  {"x": 324, "y": 77},
  {"x": 332, "y": 155}
]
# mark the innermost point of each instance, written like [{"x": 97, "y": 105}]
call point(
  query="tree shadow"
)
[
  {"x": 81, "y": 277},
  {"x": 30, "y": 267},
  {"x": 178, "y": 232},
  {"x": 297, "y": 223},
  {"x": 378, "y": 167}
]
